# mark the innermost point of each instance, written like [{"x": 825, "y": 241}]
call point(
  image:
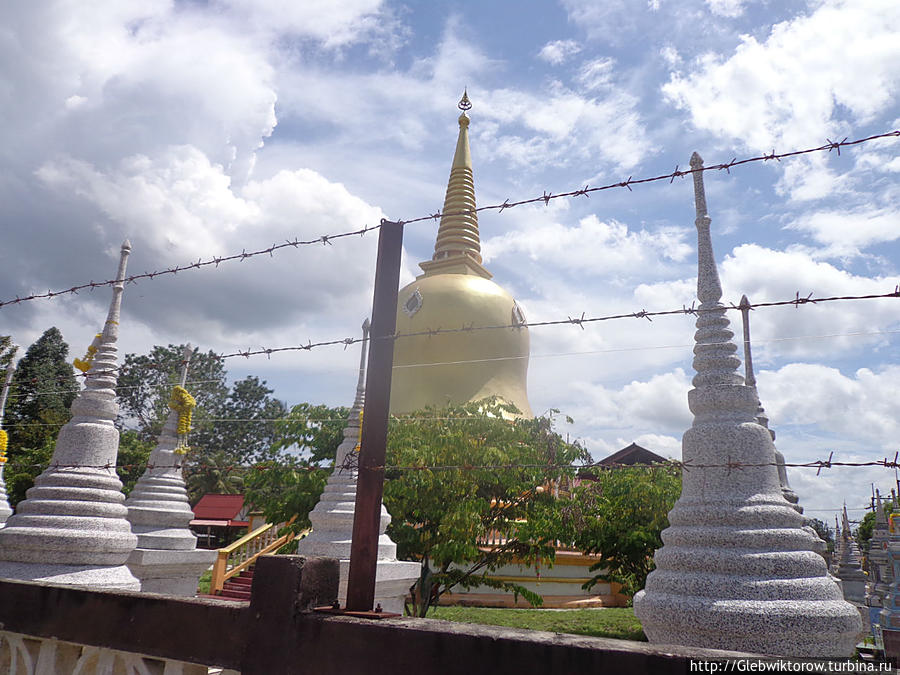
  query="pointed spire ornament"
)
[
  {"x": 72, "y": 528},
  {"x": 849, "y": 569},
  {"x": 761, "y": 418},
  {"x": 332, "y": 517},
  {"x": 5, "y": 509},
  {"x": 458, "y": 245},
  {"x": 166, "y": 559},
  {"x": 737, "y": 570}
]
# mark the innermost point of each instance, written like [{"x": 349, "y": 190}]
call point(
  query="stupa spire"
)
[
  {"x": 72, "y": 528},
  {"x": 458, "y": 245},
  {"x": 735, "y": 551}
]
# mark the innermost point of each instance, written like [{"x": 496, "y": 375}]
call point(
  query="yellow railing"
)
[{"x": 240, "y": 555}]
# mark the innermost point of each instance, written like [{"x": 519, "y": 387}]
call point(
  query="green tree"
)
[
  {"x": 213, "y": 472},
  {"x": 285, "y": 488},
  {"x": 867, "y": 526},
  {"x": 443, "y": 516},
  {"x": 314, "y": 429},
  {"x": 131, "y": 462},
  {"x": 620, "y": 514},
  {"x": 145, "y": 385},
  {"x": 825, "y": 533},
  {"x": 42, "y": 389}
]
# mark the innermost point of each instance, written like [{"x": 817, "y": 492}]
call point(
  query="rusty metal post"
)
[{"x": 370, "y": 484}]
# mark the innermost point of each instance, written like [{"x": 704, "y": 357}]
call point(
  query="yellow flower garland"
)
[
  {"x": 359, "y": 443},
  {"x": 183, "y": 403},
  {"x": 85, "y": 364},
  {"x": 4, "y": 443}
]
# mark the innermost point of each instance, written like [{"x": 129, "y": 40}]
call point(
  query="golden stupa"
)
[{"x": 456, "y": 291}]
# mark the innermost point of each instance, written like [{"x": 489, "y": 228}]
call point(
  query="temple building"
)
[{"x": 455, "y": 291}]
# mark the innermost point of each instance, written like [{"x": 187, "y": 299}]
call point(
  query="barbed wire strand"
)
[
  {"x": 589, "y": 352},
  {"x": 545, "y": 198},
  {"x": 817, "y": 464}
]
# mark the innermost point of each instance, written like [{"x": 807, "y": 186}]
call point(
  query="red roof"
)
[{"x": 218, "y": 507}]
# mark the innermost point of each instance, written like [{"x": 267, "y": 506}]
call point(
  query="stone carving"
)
[
  {"x": 737, "y": 570},
  {"x": 849, "y": 570},
  {"x": 166, "y": 559},
  {"x": 72, "y": 528}
]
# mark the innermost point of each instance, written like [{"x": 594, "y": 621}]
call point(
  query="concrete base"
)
[
  {"x": 170, "y": 572},
  {"x": 392, "y": 581},
  {"x": 96, "y": 577}
]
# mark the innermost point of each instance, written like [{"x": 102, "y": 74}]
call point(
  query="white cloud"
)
[
  {"x": 334, "y": 24},
  {"x": 596, "y": 74},
  {"x": 798, "y": 85},
  {"x": 178, "y": 207},
  {"x": 727, "y": 8},
  {"x": 594, "y": 247},
  {"x": 558, "y": 51},
  {"x": 846, "y": 232}
]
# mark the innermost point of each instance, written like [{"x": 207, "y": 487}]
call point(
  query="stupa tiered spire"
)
[
  {"x": 72, "y": 528},
  {"x": 849, "y": 568},
  {"x": 458, "y": 245},
  {"x": 5, "y": 509},
  {"x": 737, "y": 570},
  {"x": 761, "y": 417},
  {"x": 166, "y": 559},
  {"x": 332, "y": 517}
]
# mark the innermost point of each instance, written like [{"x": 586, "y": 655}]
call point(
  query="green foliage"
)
[
  {"x": 439, "y": 516},
  {"x": 231, "y": 426},
  {"x": 285, "y": 488},
  {"x": 26, "y": 465},
  {"x": 134, "y": 453},
  {"x": 620, "y": 515},
  {"x": 867, "y": 526},
  {"x": 213, "y": 473},
  {"x": 42, "y": 389},
  {"x": 825, "y": 533},
  {"x": 865, "y": 530},
  {"x": 316, "y": 429}
]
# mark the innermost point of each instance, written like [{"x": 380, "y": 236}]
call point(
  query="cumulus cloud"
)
[
  {"x": 558, "y": 51},
  {"x": 803, "y": 83},
  {"x": 728, "y": 8},
  {"x": 593, "y": 247}
]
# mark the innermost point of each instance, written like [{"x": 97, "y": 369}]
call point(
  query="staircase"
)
[
  {"x": 232, "y": 573},
  {"x": 238, "y": 587}
]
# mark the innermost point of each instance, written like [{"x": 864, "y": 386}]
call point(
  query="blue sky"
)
[{"x": 203, "y": 128}]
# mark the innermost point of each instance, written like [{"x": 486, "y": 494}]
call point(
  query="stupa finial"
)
[
  {"x": 458, "y": 245},
  {"x": 709, "y": 288},
  {"x": 464, "y": 103},
  {"x": 361, "y": 381},
  {"x": 186, "y": 354}
]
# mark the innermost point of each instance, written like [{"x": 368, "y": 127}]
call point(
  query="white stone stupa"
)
[
  {"x": 332, "y": 517},
  {"x": 849, "y": 570},
  {"x": 5, "y": 509},
  {"x": 72, "y": 528},
  {"x": 737, "y": 570},
  {"x": 166, "y": 559}
]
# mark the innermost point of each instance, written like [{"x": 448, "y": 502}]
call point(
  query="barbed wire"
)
[
  {"x": 215, "y": 260},
  {"x": 545, "y": 198},
  {"x": 677, "y": 173},
  {"x": 350, "y": 464},
  {"x": 796, "y": 301},
  {"x": 588, "y": 352}
]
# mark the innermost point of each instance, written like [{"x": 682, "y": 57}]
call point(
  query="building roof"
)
[
  {"x": 632, "y": 454},
  {"x": 218, "y": 507}
]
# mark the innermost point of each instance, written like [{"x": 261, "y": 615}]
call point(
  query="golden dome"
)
[
  {"x": 455, "y": 291},
  {"x": 464, "y": 366}
]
